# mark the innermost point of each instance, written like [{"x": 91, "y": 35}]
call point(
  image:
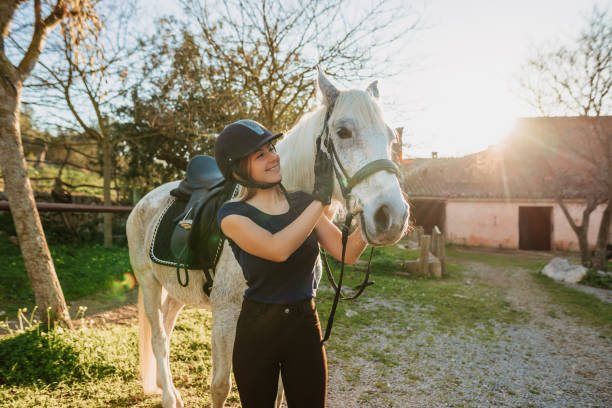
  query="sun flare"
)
[{"x": 475, "y": 115}]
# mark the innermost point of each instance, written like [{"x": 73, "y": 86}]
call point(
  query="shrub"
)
[{"x": 596, "y": 279}]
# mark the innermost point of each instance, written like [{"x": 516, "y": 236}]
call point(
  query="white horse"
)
[{"x": 360, "y": 135}]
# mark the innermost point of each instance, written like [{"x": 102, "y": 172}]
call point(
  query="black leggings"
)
[{"x": 286, "y": 338}]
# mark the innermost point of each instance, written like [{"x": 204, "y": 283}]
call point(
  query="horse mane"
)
[{"x": 297, "y": 147}]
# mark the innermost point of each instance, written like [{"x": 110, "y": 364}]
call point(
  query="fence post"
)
[
  {"x": 424, "y": 256},
  {"x": 435, "y": 236},
  {"x": 442, "y": 254},
  {"x": 420, "y": 231}
]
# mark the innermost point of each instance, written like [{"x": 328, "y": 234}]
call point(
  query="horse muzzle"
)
[{"x": 384, "y": 223}]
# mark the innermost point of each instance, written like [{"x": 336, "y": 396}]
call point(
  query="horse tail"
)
[{"x": 148, "y": 366}]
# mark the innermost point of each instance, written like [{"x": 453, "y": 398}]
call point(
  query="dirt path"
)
[
  {"x": 104, "y": 310},
  {"x": 101, "y": 311},
  {"x": 550, "y": 361}
]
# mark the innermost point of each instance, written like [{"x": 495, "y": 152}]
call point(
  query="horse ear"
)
[
  {"x": 329, "y": 91},
  {"x": 373, "y": 90}
]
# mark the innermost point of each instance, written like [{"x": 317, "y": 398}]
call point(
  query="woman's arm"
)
[
  {"x": 330, "y": 238},
  {"x": 262, "y": 243}
]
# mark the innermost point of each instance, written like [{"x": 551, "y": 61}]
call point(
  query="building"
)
[{"x": 506, "y": 196}]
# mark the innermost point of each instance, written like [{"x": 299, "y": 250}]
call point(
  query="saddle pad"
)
[{"x": 160, "y": 246}]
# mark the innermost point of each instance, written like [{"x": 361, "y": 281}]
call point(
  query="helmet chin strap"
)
[{"x": 247, "y": 182}]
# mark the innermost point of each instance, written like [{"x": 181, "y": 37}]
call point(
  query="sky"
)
[
  {"x": 459, "y": 94},
  {"x": 462, "y": 96}
]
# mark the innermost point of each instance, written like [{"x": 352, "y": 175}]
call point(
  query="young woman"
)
[{"x": 274, "y": 236}]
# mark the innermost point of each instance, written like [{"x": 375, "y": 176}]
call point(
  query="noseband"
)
[{"x": 346, "y": 184}]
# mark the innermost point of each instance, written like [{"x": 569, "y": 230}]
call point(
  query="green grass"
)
[
  {"x": 81, "y": 269},
  {"x": 412, "y": 305},
  {"x": 588, "y": 309},
  {"x": 98, "y": 368},
  {"x": 532, "y": 263},
  {"x": 91, "y": 367}
]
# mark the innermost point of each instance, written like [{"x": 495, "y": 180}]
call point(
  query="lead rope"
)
[
  {"x": 338, "y": 286},
  {"x": 330, "y": 319}
]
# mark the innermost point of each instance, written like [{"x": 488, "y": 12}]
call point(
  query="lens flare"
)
[{"x": 129, "y": 281}]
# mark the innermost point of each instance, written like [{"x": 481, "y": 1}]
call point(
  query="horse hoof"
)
[
  {"x": 179, "y": 400},
  {"x": 169, "y": 401},
  {"x": 154, "y": 391}
]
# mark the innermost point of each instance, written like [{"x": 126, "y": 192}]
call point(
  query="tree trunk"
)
[
  {"x": 39, "y": 264},
  {"x": 585, "y": 253},
  {"x": 108, "y": 217},
  {"x": 581, "y": 230},
  {"x": 600, "y": 259},
  {"x": 41, "y": 156}
]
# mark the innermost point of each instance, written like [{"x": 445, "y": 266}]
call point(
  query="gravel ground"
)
[{"x": 551, "y": 361}]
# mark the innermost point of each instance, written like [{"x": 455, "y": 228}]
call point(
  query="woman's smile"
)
[{"x": 275, "y": 168}]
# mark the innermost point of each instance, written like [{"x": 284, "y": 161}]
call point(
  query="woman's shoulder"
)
[{"x": 232, "y": 207}]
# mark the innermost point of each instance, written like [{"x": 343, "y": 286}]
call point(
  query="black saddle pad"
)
[{"x": 160, "y": 246}]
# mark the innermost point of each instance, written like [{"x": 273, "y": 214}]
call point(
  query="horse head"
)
[{"x": 360, "y": 136}]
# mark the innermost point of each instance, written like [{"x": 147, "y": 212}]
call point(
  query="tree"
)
[
  {"x": 68, "y": 81},
  {"x": 267, "y": 51},
  {"x": 576, "y": 79},
  {"x": 175, "y": 110},
  {"x": 240, "y": 59},
  {"x": 80, "y": 20}
]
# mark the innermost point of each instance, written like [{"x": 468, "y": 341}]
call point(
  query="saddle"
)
[{"x": 188, "y": 236}]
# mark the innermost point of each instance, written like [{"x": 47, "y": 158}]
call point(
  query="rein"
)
[{"x": 347, "y": 183}]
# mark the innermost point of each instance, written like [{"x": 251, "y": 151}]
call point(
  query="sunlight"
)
[{"x": 477, "y": 113}]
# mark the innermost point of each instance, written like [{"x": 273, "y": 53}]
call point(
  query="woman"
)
[{"x": 274, "y": 236}]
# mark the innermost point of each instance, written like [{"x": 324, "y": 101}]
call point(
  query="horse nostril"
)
[{"x": 382, "y": 218}]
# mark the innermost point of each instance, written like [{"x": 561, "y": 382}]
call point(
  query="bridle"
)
[{"x": 347, "y": 183}]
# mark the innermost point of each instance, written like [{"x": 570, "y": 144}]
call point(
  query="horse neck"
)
[{"x": 296, "y": 152}]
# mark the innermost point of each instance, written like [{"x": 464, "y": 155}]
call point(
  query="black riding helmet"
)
[{"x": 236, "y": 141}]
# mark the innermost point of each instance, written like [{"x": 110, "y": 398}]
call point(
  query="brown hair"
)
[{"x": 245, "y": 192}]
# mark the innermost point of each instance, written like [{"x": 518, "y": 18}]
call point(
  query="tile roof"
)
[{"x": 539, "y": 157}]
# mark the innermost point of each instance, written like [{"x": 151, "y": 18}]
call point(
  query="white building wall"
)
[{"x": 492, "y": 223}]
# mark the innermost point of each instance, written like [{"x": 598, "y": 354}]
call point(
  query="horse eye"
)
[{"x": 344, "y": 133}]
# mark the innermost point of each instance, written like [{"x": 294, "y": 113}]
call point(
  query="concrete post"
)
[
  {"x": 424, "y": 256},
  {"x": 420, "y": 231},
  {"x": 442, "y": 254},
  {"x": 435, "y": 236}
]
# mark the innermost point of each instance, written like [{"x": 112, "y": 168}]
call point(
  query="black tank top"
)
[{"x": 277, "y": 282}]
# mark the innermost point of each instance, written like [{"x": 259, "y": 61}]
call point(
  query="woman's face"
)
[{"x": 264, "y": 164}]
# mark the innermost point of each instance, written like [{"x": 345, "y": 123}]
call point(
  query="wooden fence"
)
[{"x": 61, "y": 207}]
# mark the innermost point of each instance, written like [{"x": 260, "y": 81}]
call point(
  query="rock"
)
[{"x": 560, "y": 269}]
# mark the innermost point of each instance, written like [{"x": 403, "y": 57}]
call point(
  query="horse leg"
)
[
  {"x": 170, "y": 310},
  {"x": 152, "y": 293},
  {"x": 279, "y": 393},
  {"x": 148, "y": 371},
  {"x": 223, "y": 334}
]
